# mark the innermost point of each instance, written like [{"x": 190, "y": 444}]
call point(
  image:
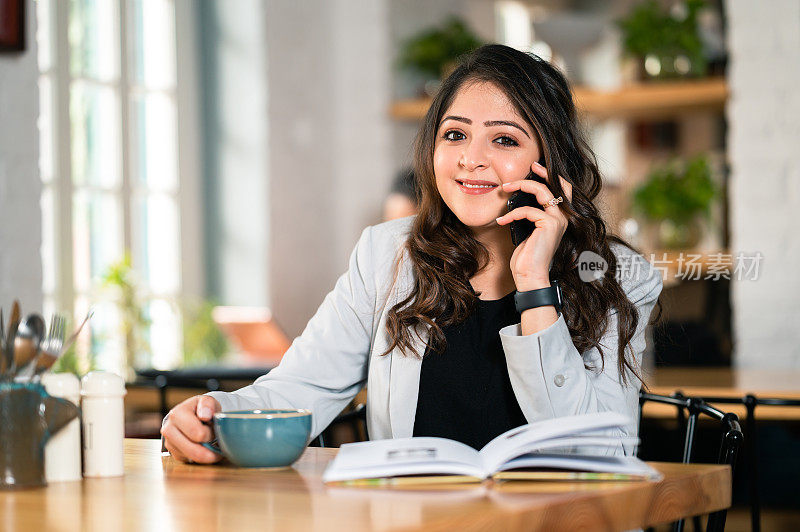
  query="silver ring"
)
[{"x": 553, "y": 202}]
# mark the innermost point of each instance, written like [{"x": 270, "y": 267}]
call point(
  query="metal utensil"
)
[
  {"x": 8, "y": 352},
  {"x": 52, "y": 345},
  {"x": 74, "y": 336},
  {"x": 28, "y": 341}
]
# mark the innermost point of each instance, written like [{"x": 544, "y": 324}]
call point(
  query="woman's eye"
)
[
  {"x": 453, "y": 135},
  {"x": 506, "y": 141}
]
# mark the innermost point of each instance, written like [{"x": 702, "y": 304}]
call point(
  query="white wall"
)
[
  {"x": 20, "y": 186},
  {"x": 237, "y": 123},
  {"x": 763, "y": 139},
  {"x": 329, "y": 131},
  {"x": 298, "y": 146}
]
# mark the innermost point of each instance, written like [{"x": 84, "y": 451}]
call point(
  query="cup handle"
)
[{"x": 212, "y": 446}]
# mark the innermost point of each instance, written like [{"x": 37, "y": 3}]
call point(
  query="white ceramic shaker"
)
[
  {"x": 103, "y": 424},
  {"x": 62, "y": 454}
]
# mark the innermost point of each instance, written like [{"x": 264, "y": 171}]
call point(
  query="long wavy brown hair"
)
[{"x": 444, "y": 253}]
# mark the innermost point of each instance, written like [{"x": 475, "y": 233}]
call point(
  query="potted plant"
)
[
  {"x": 203, "y": 340},
  {"x": 434, "y": 52},
  {"x": 678, "y": 196},
  {"x": 666, "y": 44},
  {"x": 121, "y": 281}
]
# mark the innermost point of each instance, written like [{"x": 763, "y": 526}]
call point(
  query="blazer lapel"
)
[
  {"x": 404, "y": 386},
  {"x": 405, "y": 369}
]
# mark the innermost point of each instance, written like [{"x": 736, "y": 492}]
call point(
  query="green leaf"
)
[
  {"x": 679, "y": 192},
  {"x": 432, "y": 50},
  {"x": 203, "y": 341},
  {"x": 650, "y": 30}
]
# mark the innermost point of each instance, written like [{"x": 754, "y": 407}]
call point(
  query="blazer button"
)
[{"x": 558, "y": 380}]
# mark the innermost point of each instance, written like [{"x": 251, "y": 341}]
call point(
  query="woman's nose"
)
[{"x": 473, "y": 156}]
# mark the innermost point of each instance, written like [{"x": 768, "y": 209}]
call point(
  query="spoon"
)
[{"x": 28, "y": 340}]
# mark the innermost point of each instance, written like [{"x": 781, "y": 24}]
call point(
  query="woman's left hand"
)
[{"x": 531, "y": 260}]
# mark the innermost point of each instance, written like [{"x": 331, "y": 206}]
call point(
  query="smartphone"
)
[{"x": 522, "y": 229}]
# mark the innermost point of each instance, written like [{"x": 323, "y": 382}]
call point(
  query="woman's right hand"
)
[{"x": 184, "y": 429}]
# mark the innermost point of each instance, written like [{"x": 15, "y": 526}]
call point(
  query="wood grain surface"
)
[
  {"x": 159, "y": 493},
  {"x": 727, "y": 382},
  {"x": 642, "y": 100}
]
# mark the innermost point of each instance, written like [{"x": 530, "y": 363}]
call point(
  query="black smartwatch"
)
[{"x": 539, "y": 298}]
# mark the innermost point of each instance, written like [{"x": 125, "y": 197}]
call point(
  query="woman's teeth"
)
[{"x": 478, "y": 186}]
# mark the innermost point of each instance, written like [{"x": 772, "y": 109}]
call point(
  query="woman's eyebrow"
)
[{"x": 489, "y": 123}]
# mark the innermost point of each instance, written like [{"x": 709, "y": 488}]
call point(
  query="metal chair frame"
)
[
  {"x": 163, "y": 383},
  {"x": 750, "y": 401},
  {"x": 731, "y": 440}
]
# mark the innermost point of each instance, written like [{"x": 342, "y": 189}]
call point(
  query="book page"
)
[
  {"x": 620, "y": 465},
  {"x": 502, "y": 447},
  {"x": 589, "y": 444},
  {"x": 404, "y": 456}
]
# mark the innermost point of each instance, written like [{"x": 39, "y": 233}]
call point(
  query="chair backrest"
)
[
  {"x": 163, "y": 383},
  {"x": 750, "y": 402},
  {"x": 356, "y": 418},
  {"x": 731, "y": 436}
]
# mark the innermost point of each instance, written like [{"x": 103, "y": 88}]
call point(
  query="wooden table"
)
[
  {"x": 727, "y": 382},
  {"x": 159, "y": 493}
]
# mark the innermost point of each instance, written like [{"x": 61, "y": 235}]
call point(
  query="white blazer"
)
[{"x": 339, "y": 352}]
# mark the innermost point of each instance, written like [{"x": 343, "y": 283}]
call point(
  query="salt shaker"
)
[
  {"x": 62, "y": 454},
  {"x": 103, "y": 424}
]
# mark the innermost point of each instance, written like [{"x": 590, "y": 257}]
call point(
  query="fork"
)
[{"x": 52, "y": 345}]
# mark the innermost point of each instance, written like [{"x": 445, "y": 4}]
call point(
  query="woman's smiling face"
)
[{"x": 481, "y": 138}]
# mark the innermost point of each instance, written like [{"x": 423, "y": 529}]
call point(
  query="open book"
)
[{"x": 545, "y": 450}]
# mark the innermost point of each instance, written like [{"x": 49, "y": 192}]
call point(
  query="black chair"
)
[
  {"x": 203, "y": 379},
  {"x": 750, "y": 402},
  {"x": 731, "y": 440},
  {"x": 163, "y": 383},
  {"x": 356, "y": 418}
]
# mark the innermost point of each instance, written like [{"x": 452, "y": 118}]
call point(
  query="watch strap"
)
[{"x": 540, "y": 297}]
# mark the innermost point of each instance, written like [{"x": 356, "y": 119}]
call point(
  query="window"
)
[{"x": 109, "y": 166}]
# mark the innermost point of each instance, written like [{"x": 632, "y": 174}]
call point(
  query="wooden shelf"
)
[
  {"x": 651, "y": 100},
  {"x": 410, "y": 110},
  {"x": 655, "y": 100}
]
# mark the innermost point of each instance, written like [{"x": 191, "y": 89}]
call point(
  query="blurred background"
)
[
  {"x": 164, "y": 157},
  {"x": 199, "y": 171}
]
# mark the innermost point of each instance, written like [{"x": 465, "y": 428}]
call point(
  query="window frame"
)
[{"x": 64, "y": 295}]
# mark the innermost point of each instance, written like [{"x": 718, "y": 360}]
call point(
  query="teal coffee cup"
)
[{"x": 261, "y": 438}]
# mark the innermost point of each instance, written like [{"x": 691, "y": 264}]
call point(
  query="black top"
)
[{"x": 465, "y": 393}]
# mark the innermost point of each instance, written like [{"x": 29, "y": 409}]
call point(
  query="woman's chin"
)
[{"x": 479, "y": 221}]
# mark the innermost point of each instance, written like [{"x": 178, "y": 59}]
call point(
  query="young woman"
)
[{"x": 455, "y": 331}]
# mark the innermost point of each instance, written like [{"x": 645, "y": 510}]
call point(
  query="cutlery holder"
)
[{"x": 28, "y": 418}]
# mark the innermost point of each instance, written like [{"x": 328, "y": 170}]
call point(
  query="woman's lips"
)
[{"x": 474, "y": 191}]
